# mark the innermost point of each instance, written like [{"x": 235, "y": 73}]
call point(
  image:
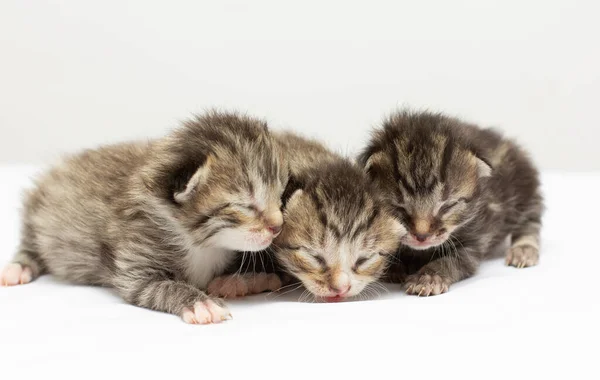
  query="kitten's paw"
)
[
  {"x": 522, "y": 256},
  {"x": 15, "y": 274},
  {"x": 206, "y": 312},
  {"x": 228, "y": 287},
  {"x": 425, "y": 285},
  {"x": 264, "y": 282},
  {"x": 239, "y": 286}
]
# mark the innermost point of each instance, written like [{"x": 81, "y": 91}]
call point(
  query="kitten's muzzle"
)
[
  {"x": 274, "y": 222},
  {"x": 275, "y": 230},
  {"x": 425, "y": 241},
  {"x": 341, "y": 290},
  {"x": 339, "y": 293},
  {"x": 421, "y": 237}
]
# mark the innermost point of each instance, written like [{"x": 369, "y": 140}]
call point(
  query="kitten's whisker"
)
[
  {"x": 366, "y": 293},
  {"x": 264, "y": 268},
  {"x": 279, "y": 294},
  {"x": 288, "y": 285},
  {"x": 303, "y": 295},
  {"x": 239, "y": 271},
  {"x": 380, "y": 286}
]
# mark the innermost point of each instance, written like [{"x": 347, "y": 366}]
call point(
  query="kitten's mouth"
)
[{"x": 422, "y": 245}]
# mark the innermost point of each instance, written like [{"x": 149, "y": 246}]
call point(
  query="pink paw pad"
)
[{"x": 15, "y": 274}]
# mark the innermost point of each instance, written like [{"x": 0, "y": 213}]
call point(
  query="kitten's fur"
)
[
  {"x": 337, "y": 233},
  {"x": 460, "y": 191},
  {"x": 157, "y": 220}
]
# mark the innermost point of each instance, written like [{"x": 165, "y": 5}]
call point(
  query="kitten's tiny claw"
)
[
  {"x": 202, "y": 314},
  {"x": 217, "y": 313},
  {"x": 425, "y": 285}
]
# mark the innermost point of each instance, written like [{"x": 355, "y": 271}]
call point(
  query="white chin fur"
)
[
  {"x": 240, "y": 240},
  {"x": 421, "y": 247}
]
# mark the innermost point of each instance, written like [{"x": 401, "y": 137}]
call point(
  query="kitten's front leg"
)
[
  {"x": 235, "y": 285},
  {"x": 436, "y": 276},
  {"x": 525, "y": 246},
  {"x": 175, "y": 297}
]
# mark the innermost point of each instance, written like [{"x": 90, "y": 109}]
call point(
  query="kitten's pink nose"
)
[
  {"x": 341, "y": 291},
  {"x": 275, "y": 230},
  {"x": 421, "y": 237}
]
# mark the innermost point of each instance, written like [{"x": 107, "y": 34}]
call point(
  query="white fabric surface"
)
[{"x": 502, "y": 323}]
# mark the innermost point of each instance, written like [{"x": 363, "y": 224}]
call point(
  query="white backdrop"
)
[{"x": 75, "y": 74}]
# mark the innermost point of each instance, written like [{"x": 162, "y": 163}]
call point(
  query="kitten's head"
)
[
  {"x": 429, "y": 172},
  {"x": 337, "y": 235},
  {"x": 222, "y": 177}
]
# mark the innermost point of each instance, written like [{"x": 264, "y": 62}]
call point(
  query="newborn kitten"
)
[
  {"x": 337, "y": 234},
  {"x": 460, "y": 191},
  {"x": 158, "y": 220}
]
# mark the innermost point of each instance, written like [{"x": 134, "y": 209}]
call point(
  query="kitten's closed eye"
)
[
  {"x": 291, "y": 247},
  {"x": 401, "y": 210},
  {"x": 247, "y": 208},
  {"x": 360, "y": 262},
  {"x": 447, "y": 207},
  {"x": 450, "y": 205},
  {"x": 321, "y": 260}
]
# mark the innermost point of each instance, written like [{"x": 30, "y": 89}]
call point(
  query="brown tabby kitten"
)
[
  {"x": 337, "y": 234},
  {"x": 158, "y": 220},
  {"x": 460, "y": 191}
]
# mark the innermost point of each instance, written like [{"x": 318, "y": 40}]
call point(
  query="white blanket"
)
[{"x": 504, "y": 323}]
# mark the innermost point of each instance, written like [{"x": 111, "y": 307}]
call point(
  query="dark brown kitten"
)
[{"x": 460, "y": 191}]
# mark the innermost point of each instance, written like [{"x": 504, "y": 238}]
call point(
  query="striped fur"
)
[
  {"x": 459, "y": 190},
  {"x": 158, "y": 220},
  {"x": 337, "y": 233}
]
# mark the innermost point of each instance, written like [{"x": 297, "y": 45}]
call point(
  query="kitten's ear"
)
[
  {"x": 195, "y": 181},
  {"x": 295, "y": 195},
  {"x": 483, "y": 168},
  {"x": 294, "y": 187},
  {"x": 374, "y": 162}
]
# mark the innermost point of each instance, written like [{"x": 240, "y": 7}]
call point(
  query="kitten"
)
[
  {"x": 460, "y": 191},
  {"x": 337, "y": 234},
  {"x": 158, "y": 220}
]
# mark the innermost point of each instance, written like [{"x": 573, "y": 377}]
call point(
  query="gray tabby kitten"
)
[
  {"x": 460, "y": 191},
  {"x": 338, "y": 234},
  {"x": 158, "y": 220}
]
